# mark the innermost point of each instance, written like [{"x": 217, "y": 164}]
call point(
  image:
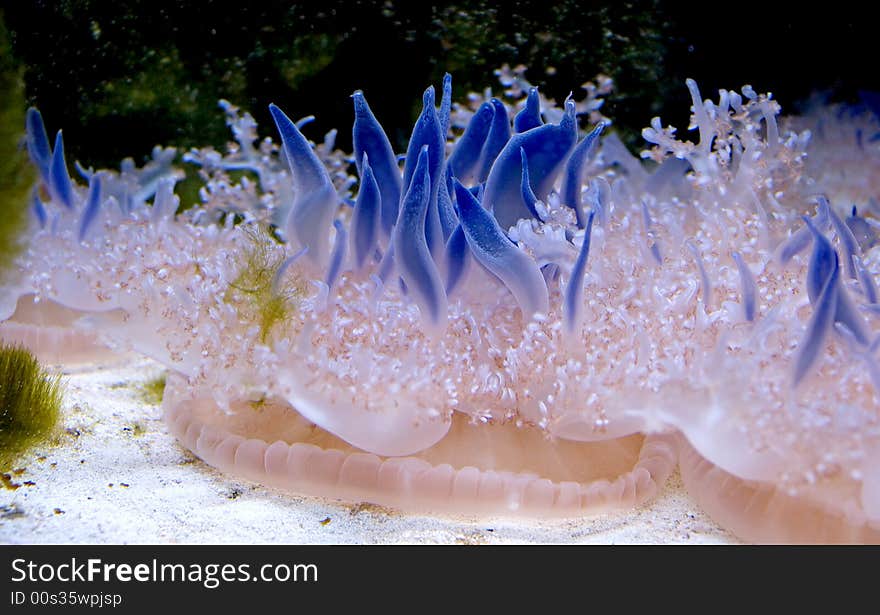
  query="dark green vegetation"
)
[
  {"x": 30, "y": 404},
  {"x": 121, "y": 77},
  {"x": 16, "y": 174}
]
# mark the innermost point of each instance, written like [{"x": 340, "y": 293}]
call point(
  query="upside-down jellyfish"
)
[
  {"x": 524, "y": 318},
  {"x": 425, "y": 364}
]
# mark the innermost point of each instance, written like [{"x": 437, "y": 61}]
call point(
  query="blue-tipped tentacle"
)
[
  {"x": 801, "y": 238},
  {"x": 499, "y": 135},
  {"x": 705, "y": 284},
  {"x": 304, "y": 121},
  {"x": 366, "y": 217},
  {"x": 38, "y": 142},
  {"x": 822, "y": 260},
  {"x": 59, "y": 181},
  {"x": 83, "y": 172},
  {"x": 847, "y": 241},
  {"x": 445, "y": 105},
  {"x": 547, "y": 148},
  {"x": 820, "y": 324},
  {"x": 528, "y": 194},
  {"x": 315, "y": 202},
  {"x": 38, "y": 208},
  {"x": 492, "y": 249},
  {"x": 573, "y": 179},
  {"x": 749, "y": 288},
  {"x": 445, "y": 206},
  {"x": 93, "y": 206},
  {"x": 427, "y": 132},
  {"x": 370, "y": 139},
  {"x": 795, "y": 244},
  {"x": 466, "y": 156},
  {"x": 411, "y": 253},
  {"x": 574, "y": 291},
  {"x": 530, "y": 116},
  {"x": 338, "y": 256},
  {"x": 456, "y": 259}
]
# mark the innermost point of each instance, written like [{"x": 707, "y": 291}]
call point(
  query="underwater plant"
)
[
  {"x": 30, "y": 404},
  {"x": 523, "y": 319},
  {"x": 16, "y": 174},
  {"x": 263, "y": 298},
  {"x": 153, "y": 390}
]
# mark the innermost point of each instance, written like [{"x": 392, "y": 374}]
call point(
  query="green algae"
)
[
  {"x": 153, "y": 390},
  {"x": 30, "y": 404},
  {"x": 16, "y": 172},
  {"x": 258, "y": 297}
]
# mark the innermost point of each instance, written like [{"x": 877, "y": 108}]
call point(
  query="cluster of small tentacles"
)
[{"x": 513, "y": 317}]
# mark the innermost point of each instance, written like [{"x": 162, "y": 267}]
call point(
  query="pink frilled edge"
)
[
  {"x": 411, "y": 483},
  {"x": 764, "y": 512}
]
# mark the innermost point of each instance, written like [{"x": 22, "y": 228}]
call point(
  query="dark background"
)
[{"x": 120, "y": 77}]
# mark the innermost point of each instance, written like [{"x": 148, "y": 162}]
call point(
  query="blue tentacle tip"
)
[
  {"x": 530, "y": 115},
  {"x": 574, "y": 291},
  {"x": 338, "y": 256},
  {"x": 411, "y": 253},
  {"x": 369, "y": 138},
  {"x": 59, "y": 180},
  {"x": 822, "y": 260},
  {"x": 574, "y": 171},
  {"x": 427, "y": 132},
  {"x": 528, "y": 194},
  {"x": 308, "y": 171},
  {"x": 547, "y": 148},
  {"x": 466, "y": 156},
  {"x": 38, "y": 142},
  {"x": 93, "y": 206},
  {"x": 365, "y": 219},
  {"x": 456, "y": 258},
  {"x": 749, "y": 288},
  {"x": 492, "y": 249},
  {"x": 499, "y": 135},
  {"x": 820, "y": 323},
  {"x": 38, "y": 208},
  {"x": 445, "y": 105},
  {"x": 315, "y": 200}
]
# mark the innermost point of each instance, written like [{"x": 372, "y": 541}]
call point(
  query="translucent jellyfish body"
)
[{"x": 521, "y": 318}]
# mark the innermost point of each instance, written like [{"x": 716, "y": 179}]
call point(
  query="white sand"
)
[{"x": 117, "y": 476}]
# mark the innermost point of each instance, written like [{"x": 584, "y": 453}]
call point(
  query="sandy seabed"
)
[{"x": 117, "y": 476}]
